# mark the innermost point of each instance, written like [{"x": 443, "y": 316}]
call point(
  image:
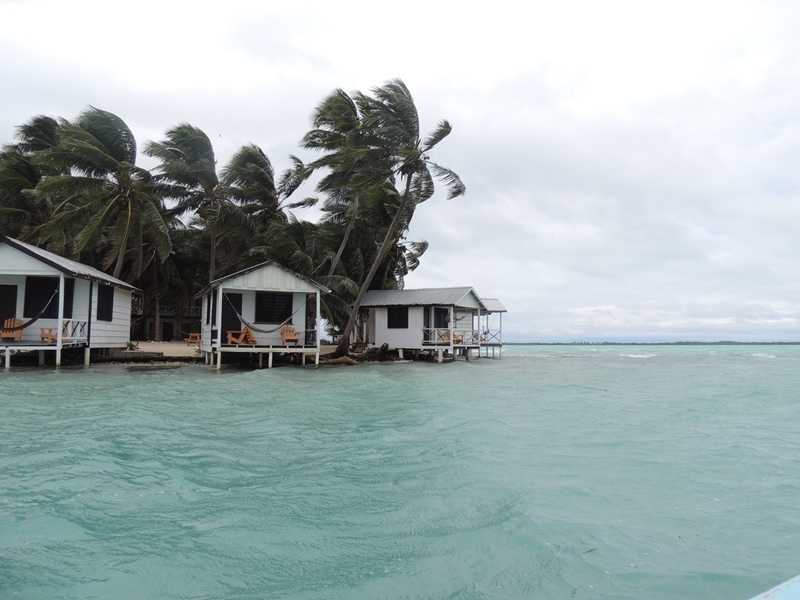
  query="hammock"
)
[
  {"x": 253, "y": 327},
  {"x": 35, "y": 318}
]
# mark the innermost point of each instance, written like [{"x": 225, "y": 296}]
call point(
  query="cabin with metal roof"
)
[
  {"x": 49, "y": 303},
  {"x": 264, "y": 309},
  {"x": 441, "y": 321}
]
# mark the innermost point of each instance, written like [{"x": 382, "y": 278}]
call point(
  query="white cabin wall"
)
[
  {"x": 399, "y": 338},
  {"x": 117, "y": 332},
  {"x": 469, "y": 301},
  {"x": 371, "y": 325},
  {"x": 15, "y": 262}
]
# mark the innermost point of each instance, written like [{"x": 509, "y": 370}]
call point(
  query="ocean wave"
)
[{"x": 638, "y": 355}]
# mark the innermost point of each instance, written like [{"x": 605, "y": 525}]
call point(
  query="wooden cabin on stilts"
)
[
  {"x": 49, "y": 304},
  {"x": 266, "y": 309},
  {"x": 441, "y": 322}
]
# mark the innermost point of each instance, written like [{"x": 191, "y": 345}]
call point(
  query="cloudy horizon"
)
[{"x": 630, "y": 167}]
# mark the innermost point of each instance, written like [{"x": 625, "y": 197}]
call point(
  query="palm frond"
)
[{"x": 455, "y": 187}]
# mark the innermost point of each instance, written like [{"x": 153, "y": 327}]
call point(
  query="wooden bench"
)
[
  {"x": 15, "y": 334},
  {"x": 245, "y": 336},
  {"x": 194, "y": 338},
  {"x": 289, "y": 334}
]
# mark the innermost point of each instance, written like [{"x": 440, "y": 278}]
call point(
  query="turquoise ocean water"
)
[{"x": 629, "y": 472}]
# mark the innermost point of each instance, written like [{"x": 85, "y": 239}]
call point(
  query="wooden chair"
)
[
  {"x": 194, "y": 338},
  {"x": 245, "y": 336},
  {"x": 289, "y": 334},
  {"x": 50, "y": 335},
  {"x": 16, "y": 334}
]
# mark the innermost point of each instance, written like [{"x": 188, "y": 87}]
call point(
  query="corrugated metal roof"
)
[
  {"x": 418, "y": 297},
  {"x": 66, "y": 266},
  {"x": 217, "y": 282},
  {"x": 493, "y": 305}
]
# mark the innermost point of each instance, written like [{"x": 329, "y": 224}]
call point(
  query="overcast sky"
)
[{"x": 631, "y": 166}]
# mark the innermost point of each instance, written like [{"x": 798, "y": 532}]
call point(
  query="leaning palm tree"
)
[
  {"x": 337, "y": 130},
  {"x": 102, "y": 202},
  {"x": 188, "y": 174},
  {"x": 389, "y": 142}
]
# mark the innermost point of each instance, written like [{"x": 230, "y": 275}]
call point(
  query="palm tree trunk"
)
[
  {"x": 347, "y": 232},
  {"x": 124, "y": 245},
  {"x": 344, "y": 343},
  {"x": 212, "y": 253},
  {"x": 156, "y": 305}
]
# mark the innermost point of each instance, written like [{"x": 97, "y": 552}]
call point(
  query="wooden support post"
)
[
  {"x": 41, "y": 358},
  {"x": 7, "y": 361},
  {"x": 441, "y": 356},
  {"x": 219, "y": 360},
  {"x": 86, "y": 359},
  {"x": 316, "y": 362},
  {"x": 260, "y": 359},
  {"x": 269, "y": 361},
  {"x": 58, "y": 355}
]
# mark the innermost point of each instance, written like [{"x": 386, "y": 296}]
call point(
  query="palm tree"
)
[
  {"x": 303, "y": 247},
  {"x": 388, "y": 145},
  {"x": 20, "y": 214},
  {"x": 250, "y": 180},
  {"x": 188, "y": 173},
  {"x": 101, "y": 200},
  {"x": 337, "y": 129},
  {"x": 229, "y": 208}
]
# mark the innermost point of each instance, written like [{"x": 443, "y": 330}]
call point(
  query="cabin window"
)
[
  {"x": 38, "y": 292},
  {"x": 105, "y": 303},
  {"x": 273, "y": 307},
  {"x": 397, "y": 317}
]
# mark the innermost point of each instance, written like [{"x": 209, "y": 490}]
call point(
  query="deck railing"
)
[
  {"x": 460, "y": 337},
  {"x": 442, "y": 337},
  {"x": 489, "y": 336},
  {"x": 74, "y": 331}
]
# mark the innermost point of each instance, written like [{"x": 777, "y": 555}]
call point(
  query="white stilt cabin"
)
[
  {"x": 265, "y": 309},
  {"x": 93, "y": 312},
  {"x": 443, "y": 321}
]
